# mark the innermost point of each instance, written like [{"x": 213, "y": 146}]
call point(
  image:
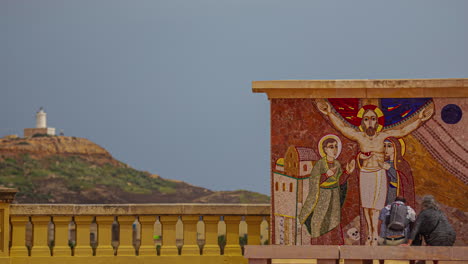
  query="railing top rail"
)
[
  {"x": 404, "y": 253},
  {"x": 292, "y": 252},
  {"x": 139, "y": 209},
  {"x": 357, "y": 252}
]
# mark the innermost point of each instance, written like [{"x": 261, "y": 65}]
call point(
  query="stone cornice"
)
[
  {"x": 391, "y": 88},
  {"x": 7, "y": 195}
]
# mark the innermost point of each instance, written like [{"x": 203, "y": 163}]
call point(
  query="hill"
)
[{"x": 58, "y": 169}]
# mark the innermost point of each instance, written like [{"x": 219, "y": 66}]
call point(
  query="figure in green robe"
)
[{"x": 321, "y": 211}]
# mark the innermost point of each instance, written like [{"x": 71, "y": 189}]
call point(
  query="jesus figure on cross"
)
[{"x": 370, "y": 137}]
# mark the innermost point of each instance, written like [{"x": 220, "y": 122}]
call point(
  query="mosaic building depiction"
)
[
  {"x": 342, "y": 150},
  {"x": 288, "y": 177}
]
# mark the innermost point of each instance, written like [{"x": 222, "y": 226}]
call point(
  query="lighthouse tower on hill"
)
[{"x": 41, "y": 126}]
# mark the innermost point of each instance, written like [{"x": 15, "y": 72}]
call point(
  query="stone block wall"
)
[{"x": 29, "y": 132}]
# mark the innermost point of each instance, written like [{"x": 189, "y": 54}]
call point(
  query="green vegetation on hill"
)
[
  {"x": 58, "y": 169},
  {"x": 78, "y": 174},
  {"x": 248, "y": 196},
  {"x": 75, "y": 179}
]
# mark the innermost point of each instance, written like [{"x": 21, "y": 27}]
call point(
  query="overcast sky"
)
[{"x": 165, "y": 86}]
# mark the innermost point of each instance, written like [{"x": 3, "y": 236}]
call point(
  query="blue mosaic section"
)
[
  {"x": 451, "y": 114},
  {"x": 396, "y": 110}
]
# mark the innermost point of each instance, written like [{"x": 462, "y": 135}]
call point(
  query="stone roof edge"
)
[{"x": 379, "y": 88}]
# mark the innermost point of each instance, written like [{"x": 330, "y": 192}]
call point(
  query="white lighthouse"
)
[
  {"x": 41, "y": 119},
  {"x": 41, "y": 126}
]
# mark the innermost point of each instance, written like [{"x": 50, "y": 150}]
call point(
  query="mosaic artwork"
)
[
  {"x": 451, "y": 114},
  {"x": 337, "y": 162}
]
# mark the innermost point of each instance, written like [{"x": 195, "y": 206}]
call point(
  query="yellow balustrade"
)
[
  {"x": 232, "y": 235},
  {"x": 190, "y": 235},
  {"x": 40, "y": 247},
  {"x": 83, "y": 247},
  {"x": 148, "y": 247},
  {"x": 231, "y": 228},
  {"x": 168, "y": 232},
  {"x": 18, "y": 238},
  {"x": 61, "y": 247},
  {"x": 104, "y": 247},
  {"x": 211, "y": 247},
  {"x": 169, "y": 247},
  {"x": 126, "y": 238}
]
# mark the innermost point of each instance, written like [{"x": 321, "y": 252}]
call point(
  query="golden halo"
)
[
  {"x": 403, "y": 146},
  {"x": 338, "y": 144},
  {"x": 374, "y": 108},
  {"x": 361, "y": 112},
  {"x": 378, "y": 112}
]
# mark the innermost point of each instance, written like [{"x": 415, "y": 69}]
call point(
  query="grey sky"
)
[{"x": 165, "y": 86}]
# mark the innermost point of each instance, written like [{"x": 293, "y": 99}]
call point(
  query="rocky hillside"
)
[
  {"x": 39, "y": 147},
  {"x": 75, "y": 170}
]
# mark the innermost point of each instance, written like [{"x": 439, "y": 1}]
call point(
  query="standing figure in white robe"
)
[{"x": 370, "y": 137}]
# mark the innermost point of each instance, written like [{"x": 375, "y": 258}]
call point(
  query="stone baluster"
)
[
  {"x": 61, "y": 247},
  {"x": 147, "y": 247},
  {"x": 51, "y": 235},
  {"x": 157, "y": 235},
  {"x": 40, "y": 231},
  {"x": 104, "y": 247},
  {"x": 93, "y": 236},
  {"x": 169, "y": 247},
  {"x": 211, "y": 247},
  {"x": 18, "y": 243},
  {"x": 200, "y": 234},
  {"x": 29, "y": 235},
  {"x": 115, "y": 234},
  {"x": 232, "y": 236},
  {"x": 83, "y": 246},
  {"x": 190, "y": 235},
  {"x": 179, "y": 235},
  {"x": 136, "y": 235},
  {"x": 264, "y": 232},
  {"x": 72, "y": 235},
  {"x": 243, "y": 237},
  {"x": 126, "y": 236},
  {"x": 221, "y": 235}
]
